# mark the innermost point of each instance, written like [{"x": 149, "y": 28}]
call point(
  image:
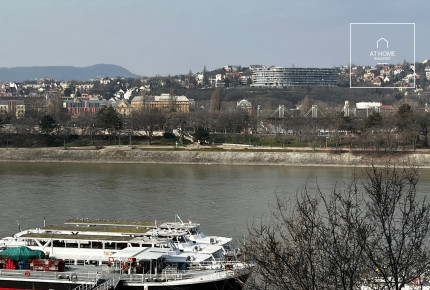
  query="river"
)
[{"x": 223, "y": 199}]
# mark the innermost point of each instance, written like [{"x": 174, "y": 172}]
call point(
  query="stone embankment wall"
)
[{"x": 234, "y": 157}]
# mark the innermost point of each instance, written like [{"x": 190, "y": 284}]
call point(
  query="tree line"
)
[{"x": 403, "y": 128}]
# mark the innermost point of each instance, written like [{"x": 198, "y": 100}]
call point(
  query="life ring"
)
[
  {"x": 417, "y": 281},
  {"x": 74, "y": 277},
  {"x": 27, "y": 274}
]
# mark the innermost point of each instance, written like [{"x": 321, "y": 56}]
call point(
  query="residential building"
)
[
  {"x": 427, "y": 70},
  {"x": 105, "y": 81},
  {"x": 369, "y": 76},
  {"x": 368, "y": 107},
  {"x": 218, "y": 81},
  {"x": 292, "y": 77},
  {"x": 80, "y": 106},
  {"x": 84, "y": 87},
  {"x": 12, "y": 108},
  {"x": 122, "y": 107},
  {"x": 163, "y": 102}
]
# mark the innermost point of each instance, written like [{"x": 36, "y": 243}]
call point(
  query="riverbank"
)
[{"x": 226, "y": 155}]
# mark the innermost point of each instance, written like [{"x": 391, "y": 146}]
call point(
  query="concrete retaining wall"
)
[{"x": 236, "y": 157}]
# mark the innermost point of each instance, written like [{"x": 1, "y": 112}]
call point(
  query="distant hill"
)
[{"x": 66, "y": 73}]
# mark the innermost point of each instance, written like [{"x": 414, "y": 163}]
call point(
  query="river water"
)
[{"x": 223, "y": 199}]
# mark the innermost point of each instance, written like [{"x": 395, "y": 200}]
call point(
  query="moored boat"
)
[{"x": 125, "y": 255}]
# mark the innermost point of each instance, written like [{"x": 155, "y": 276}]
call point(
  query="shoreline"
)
[{"x": 226, "y": 156}]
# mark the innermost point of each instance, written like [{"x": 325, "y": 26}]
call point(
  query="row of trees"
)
[
  {"x": 374, "y": 234},
  {"x": 404, "y": 127}
]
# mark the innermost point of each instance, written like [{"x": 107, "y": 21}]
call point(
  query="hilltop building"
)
[{"x": 293, "y": 77}]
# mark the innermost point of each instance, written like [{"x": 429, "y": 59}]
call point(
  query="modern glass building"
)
[{"x": 292, "y": 77}]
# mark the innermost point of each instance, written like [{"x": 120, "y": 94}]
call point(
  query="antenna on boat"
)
[
  {"x": 179, "y": 219},
  {"x": 156, "y": 224},
  {"x": 19, "y": 226},
  {"x": 44, "y": 221}
]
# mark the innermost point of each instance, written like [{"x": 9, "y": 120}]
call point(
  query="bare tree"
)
[
  {"x": 398, "y": 225},
  {"x": 181, "y": 122},
  {"x": 148, "y": 119},
  {"x": 216, "y": 100},
  {"x": 343, "y": 235},
  {"x": 286, "y": 250},
  {"x": 338, "y": 240},
  {"x": 84, "y": 122}
]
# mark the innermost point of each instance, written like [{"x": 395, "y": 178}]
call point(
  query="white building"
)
[{"x": 291, "y": 77}]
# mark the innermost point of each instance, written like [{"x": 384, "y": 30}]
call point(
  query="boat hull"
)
[
  {"x": 227, "y": 284},
  {"x": 230, "y": 284},
  {"x": 35, "y": 285}
]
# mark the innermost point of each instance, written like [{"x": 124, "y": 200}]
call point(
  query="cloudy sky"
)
[{"x": 150, "y": 37}]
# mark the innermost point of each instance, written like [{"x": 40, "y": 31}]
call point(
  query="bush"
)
[{"x": 169, "y": 135}]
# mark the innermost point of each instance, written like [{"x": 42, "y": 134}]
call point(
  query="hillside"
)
[{"x": 67, "y": 73}]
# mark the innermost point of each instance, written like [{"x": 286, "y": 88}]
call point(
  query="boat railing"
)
[
  {"x": 82, "y": 262},
  {"x": 141, "y": 278},
  {"x": 180, "y": 275},
  {"x": 217, "y": 264},
  {"x": 81, "y": 277}
]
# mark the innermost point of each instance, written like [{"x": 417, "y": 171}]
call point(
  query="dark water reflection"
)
[{"x": 222, "y": 198}]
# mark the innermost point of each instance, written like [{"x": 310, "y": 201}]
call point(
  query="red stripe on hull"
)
[{"x": 13, "y": 289}]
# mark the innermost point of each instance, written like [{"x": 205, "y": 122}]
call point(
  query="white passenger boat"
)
[{"x": 128, "y": 255}]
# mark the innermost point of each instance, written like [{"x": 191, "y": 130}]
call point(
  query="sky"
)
[{"x": 168, "y": 37}]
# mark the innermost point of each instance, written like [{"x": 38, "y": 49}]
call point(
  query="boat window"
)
[
  {"x": 135, "y": 245},
  {"x": 60, "y": 244},
  {"x": 97, "y": 245},
  {"x": 86, "y": 245},
  {"x": 182, "y": 266},
  {"x": 228, "y": 246},
  {"x": 44, "y": 243},
  {"x": 122, "y": 246},
  {"x": 71, "y": 245},
  {"x": 110, "y": 246},
  {"x": 31, "y": 243}
]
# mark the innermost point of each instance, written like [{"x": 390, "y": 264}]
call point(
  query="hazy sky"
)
[{"x": 150, "y": 37}]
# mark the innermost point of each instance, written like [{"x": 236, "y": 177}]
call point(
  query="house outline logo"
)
[
  {"x": 381, "y": 39},
  {"x": 383, "y": 51}
]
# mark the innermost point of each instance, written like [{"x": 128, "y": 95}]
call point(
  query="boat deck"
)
[{"x": 92, "y": 275}]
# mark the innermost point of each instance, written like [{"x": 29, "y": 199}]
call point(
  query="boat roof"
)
[
  {"x": 175, "y": 225},
  {"x": 190, "y": 257},
  {"x": 107, "y": 222},
  {"x": 141, "y": 253},
  {"x": 97, "y": 238},
  {"x": 96, "y": 229},
  {"x": 129, "y": 223}
]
